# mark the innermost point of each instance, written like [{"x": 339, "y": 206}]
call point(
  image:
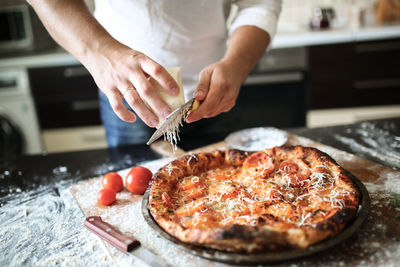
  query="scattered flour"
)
[
  {"x": 44, "y": 228},
  {"x": 375, "y": 142}
]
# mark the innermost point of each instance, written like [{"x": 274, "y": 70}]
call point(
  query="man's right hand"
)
[
  {"x": 121, "y": 72},
  {"x": 118, "y": 71}
]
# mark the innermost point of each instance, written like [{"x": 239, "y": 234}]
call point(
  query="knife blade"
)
[
  {"x": 173, "y": 120},
  {"x": 124, "y": 243}
]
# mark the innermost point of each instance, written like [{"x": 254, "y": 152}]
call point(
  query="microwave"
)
[{"x": 21, "y": 30}]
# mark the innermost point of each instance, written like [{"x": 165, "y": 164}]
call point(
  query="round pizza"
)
[{"x": 279, "y": 198}]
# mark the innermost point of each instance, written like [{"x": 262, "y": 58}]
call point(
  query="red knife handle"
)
[{"x": 111, "y": 234}]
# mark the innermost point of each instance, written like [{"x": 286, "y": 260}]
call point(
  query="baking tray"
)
[{"x": 266, "y": 257}]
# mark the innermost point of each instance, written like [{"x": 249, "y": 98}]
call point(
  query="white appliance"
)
[{"x": 17, "y": 111}]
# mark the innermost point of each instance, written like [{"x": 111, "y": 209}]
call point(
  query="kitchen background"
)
[{"x": 346, "y": 69}]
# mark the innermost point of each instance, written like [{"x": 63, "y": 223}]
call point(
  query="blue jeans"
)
[{"x": 119, "y": 132}]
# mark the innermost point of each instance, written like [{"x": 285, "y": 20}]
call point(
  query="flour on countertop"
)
[
  {"x": 44, "y": 228},
  {"x": 375, "y": 142}
]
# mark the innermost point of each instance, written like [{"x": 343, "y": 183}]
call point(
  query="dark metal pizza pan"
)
[{"x": 266, "y": 257}]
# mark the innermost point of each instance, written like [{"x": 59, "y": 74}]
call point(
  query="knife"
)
[
  {"x": 126, "y": 244},
  {"x": 174, "y": 119}
]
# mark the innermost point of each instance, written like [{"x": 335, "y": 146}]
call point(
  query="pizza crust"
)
[{"x": 271, "y": 232}]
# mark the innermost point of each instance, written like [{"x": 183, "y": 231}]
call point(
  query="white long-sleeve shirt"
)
[{"x": 187, "y": 33}]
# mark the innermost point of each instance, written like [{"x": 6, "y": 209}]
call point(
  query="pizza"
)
[{"x": 288, "y": 197}]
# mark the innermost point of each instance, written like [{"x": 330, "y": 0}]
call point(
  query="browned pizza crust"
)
[{"x": 304, "y": 208}]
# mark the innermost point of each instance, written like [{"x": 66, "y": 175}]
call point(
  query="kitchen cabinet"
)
[
  {"x": 65, "y": 96},
  {"x": 351, "y": 82},
  {"x": 74, "y": 138},
  {"x": 354, "y": 74},
  {"x": 66, "y": 99}
]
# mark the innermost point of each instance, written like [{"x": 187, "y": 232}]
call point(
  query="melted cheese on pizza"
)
[{"x": 258, "y": 191}]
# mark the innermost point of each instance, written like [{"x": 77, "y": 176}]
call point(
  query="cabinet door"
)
[
  {"x": 64, "y": 96},
  {"x": 354, "y": 74}
]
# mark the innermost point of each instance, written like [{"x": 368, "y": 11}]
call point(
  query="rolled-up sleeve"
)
[{"x": 263, "y": 14}]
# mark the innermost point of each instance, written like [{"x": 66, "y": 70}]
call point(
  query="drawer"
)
[
  {"x": 377, "y": 60},
  {"x": 331, "y": 63},
  {"x": 64, "y": 96},
  {"x": 65, "y": 82},
  {"x": 74, "y": 139},
  {"x": 354, "y": 94},
  {"x": 341, "y": 116},
  {"x": 61, "y": 114},
  {"x": 354, "y": 74}
]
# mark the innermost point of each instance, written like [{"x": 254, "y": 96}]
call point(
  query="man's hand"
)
[
  {"x": 219, "y": 83},
  {"x": 218, "y": 88},
  {"x": 121, "y": 72}
]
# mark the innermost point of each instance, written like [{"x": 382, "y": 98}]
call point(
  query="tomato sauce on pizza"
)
[{"x": 284, "y": 197}]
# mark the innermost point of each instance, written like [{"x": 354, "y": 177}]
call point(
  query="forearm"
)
[
  {"x": 115, "y": 67},
  {"x": 72, "y": 25},
  {"x": 246, "y": 46}
]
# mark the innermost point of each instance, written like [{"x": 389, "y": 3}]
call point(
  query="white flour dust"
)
[
  {"x": 375, "y": 142},
  {"x": 44, "y": 228}
]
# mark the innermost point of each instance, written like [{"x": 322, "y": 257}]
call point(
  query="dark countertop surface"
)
[{"x": 42, "y": 225}]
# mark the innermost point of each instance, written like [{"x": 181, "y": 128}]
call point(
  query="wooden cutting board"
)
[{"x": 376, "y": 242}]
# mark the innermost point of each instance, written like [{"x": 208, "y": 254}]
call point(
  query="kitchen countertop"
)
[
  {"x": 287, "y": 39},
  {"x": 338, "y": 35},
  {"x": 42, "y": 225}
]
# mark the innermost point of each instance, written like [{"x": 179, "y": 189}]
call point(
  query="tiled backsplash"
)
[{"x": 296, "y": 14}]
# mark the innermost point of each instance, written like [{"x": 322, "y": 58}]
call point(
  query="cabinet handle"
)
[
  {"x": 382, "y": 83},
  {"x": 93, "y": 138},
  {"x": 377, "y": 47},
  {"x": 71, "y": 72},
  {"x": 85, "y": 105},
  {"x": 273, "y": 78}
]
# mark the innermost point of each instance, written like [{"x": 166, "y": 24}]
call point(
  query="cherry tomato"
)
[
  {"x": 113, "y": 180},
  {"x": 138, "y": 179},
  {"x": 106, "y": 196}
]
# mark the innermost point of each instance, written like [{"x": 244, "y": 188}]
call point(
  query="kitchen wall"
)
[
  {"x": 296, "y": 16},
  {"x": 296, "y": 13}
]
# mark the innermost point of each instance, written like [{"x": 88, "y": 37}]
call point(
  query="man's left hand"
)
[{"x": 218, "y": 88}]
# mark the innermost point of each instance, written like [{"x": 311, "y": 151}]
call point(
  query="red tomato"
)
[
  {"x": 113, "y": 180},
  {"x": 106, "y": 196},
  {"x": 138, "y": 179}
]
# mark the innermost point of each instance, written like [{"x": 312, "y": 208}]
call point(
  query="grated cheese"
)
[
  {"x": 191, "y": 156},
  {"x": 171, "y": 133},
  {"x": 252, "y": 191}
]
